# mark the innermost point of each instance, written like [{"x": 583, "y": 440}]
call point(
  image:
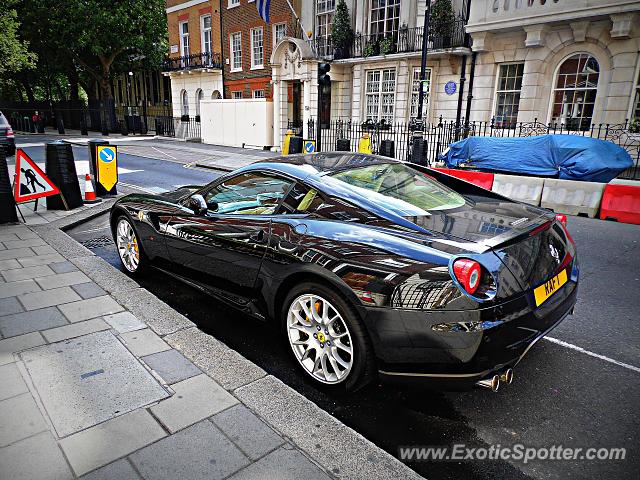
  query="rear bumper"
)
[{"x": 455, "y": 349}]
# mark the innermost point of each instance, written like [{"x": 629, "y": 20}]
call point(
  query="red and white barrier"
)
[
  {"x": 481, "y": 179},
  {"x": 621, "y": 201}
]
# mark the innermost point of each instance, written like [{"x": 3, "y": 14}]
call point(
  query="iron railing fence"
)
[
  {"x": 438, "y": 136},
  {"x": 185, "y": 127},
  {"x": 403, "y": 40},
  {"x": 195, "y": 60}
]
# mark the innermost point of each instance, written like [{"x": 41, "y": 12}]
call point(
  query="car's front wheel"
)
[
  {"x": 128, "y": 245},
  {"x": 327, "y": 338}
]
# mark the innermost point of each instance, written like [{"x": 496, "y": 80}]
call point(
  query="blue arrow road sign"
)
[
  {"x": 309, "y": 146},
  {"x": 107, "y": 154}
]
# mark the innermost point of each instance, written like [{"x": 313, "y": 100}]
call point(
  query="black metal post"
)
[
  {"x": 318, "y": 120},
  {"x": 470, "y": 95},
  {"x": 463, "y": 71},
  {"x": 423, "y": 63}
]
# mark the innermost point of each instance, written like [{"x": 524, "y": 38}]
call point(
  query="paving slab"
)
[
  {"x": 283, "y": 464},
  {"x": 200, "y": 452},
  {"x": 75, "y": 330},
  {"x": 120, "y": 470},
  {"x": 144, "y": 342},
  {"x": 62, "y": 280},
  {"x": 172, "y": 366},
  {"x": 247, "y": 431},
  {"x": 48, "y": 298},
  {"x": 88, "y": 380},
  {"x": 226, "y": 366},
  {"x": 194, "y": 399},
  {"x": 19, "y": 418},
  {"x": 41, "y": 260},
  {"x": 11, "y": 289},
  {"x": 109, "y": 441},
  {"x": 15, "y": 344},
  {"x": 11, "y": 381},
  {"x": 10, "y": 305},
  {"x": 30, "y": 242},
  {"x": 37, "y": 457},
  {"x": 25, "y": 322},
  {"x": 26, "y": 273},
  {"x": 8, "y": 237},
  {"x": 105, "y": 275},
  {"x": 124, "y": 322},
  {"x": 46, "y": 249},
  {"x": 88, "y": 290},
  {"x": 16, "y": 253},
  {"x": 90, "y": 308},
  {"x": 63, "y": 267},
  {"x": 9, "y": 264}
]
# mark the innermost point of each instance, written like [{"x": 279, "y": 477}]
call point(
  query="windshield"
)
[{"x": 401, "y": 188}]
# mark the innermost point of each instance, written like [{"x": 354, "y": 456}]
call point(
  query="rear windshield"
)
[
  {"x": 401, "y": 188},
  {"x": 3, "y": 121}
]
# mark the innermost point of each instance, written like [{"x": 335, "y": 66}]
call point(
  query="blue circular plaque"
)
[{"x": 450, "y": 88}]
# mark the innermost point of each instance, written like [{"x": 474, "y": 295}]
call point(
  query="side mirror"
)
[{"x": 198, "y": 204}]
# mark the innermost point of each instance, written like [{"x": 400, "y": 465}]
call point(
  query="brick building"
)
[
  {"x": 194, "y": 64},
  {"x": 247, "y": 43}
]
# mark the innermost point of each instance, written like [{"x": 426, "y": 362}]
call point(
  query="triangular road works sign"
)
[{"x": 31, "y": 181}]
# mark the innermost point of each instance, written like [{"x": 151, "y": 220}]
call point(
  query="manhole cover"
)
[
  {"x": 88, "y": 380},
  {"x": 103, "y": 241}
]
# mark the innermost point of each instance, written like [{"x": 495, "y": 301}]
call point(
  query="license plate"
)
[{"x": 544, "y": 291}]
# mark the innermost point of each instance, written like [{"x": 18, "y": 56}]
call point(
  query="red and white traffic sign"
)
[{"x": 31, "y": 181}]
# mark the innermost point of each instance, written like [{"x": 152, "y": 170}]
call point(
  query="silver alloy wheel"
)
[
  {"x": 127, "y": 244},
  {"x": 320, "y": 339}
]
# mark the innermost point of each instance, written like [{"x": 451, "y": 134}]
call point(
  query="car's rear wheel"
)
[
  {"x": 128, "y": 245},
  {"x": 327, "y": 338}
]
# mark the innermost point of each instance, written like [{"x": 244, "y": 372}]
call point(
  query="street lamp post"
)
[{"x": 418, "y": 122}]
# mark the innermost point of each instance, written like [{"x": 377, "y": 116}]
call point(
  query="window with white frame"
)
[
  {"x": 380, "y": 95},
  {"x": 635, "y": 108},
  {"x": 234, "y": 3},
  {"x": 257, "y": 47},
  {"x": 235, "y": 40},
  {"x": 385, "y": 17},
  {"x": 205, "y": 30},
  {"x": 508, "y": 95},
  {"x": 279, "y": 32},
  {"x": 199, "y": 98},
  {"x": 184, "y": 39},
  {"x": 185, "y": 103},
  {"x": 236, "y": 95},
  {"x": 415, "y": 93},
  {"x": 258, "y": 94},
  {"x": 324, "y": 18},
  {"x": 574, "y": 95}
]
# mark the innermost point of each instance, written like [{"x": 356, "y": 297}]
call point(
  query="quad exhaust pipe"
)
[{"x": 493, "y": 382}]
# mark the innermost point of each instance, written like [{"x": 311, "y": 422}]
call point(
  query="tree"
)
[
  {"x": 14, "y": 51},
  {"x": 341, "y": 31},
  {"x": 442, "y": 18},
  {"x": 99, "y": 38}
]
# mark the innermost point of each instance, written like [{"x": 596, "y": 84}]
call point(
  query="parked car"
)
[
  {"x": 369, "y": 267},
  {"x": 7, "y": 138}
]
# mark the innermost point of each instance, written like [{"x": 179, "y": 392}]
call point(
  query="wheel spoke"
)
[{"x": 342, "y": 346}]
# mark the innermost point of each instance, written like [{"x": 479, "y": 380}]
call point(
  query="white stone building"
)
[{"x": 574, "y": 62}]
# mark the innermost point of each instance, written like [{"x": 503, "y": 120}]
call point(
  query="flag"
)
[{"x": 263, "y": 9}]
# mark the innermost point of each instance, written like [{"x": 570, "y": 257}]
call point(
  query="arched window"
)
[
  {"x": 574, "y": 95},
  {"x": 216, "y": 95},
  {"x": 199, "y": 97},
  {"x": 185, "y": 102}
]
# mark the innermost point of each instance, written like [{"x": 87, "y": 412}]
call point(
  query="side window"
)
[
  {"x": 303, "y": 199},
  {"x": 253, "y": 193}
]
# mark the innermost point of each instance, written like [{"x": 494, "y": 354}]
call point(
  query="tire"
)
[
  {"x": 312, "y": 339},
  {"x": 128, "y": 246}
]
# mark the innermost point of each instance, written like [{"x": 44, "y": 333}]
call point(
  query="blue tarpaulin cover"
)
[{"x": 569, "y": 157}]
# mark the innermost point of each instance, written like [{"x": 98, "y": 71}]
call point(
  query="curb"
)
[{"x": 340, "y": 450}]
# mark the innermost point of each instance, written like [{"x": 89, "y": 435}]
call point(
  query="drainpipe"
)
[
  {"x": 470, "y": 95},
  {"x": 222, "y": 62},
  {"x": 463, "y": 71}
]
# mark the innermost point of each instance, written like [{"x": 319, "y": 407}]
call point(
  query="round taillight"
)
[{"x": 468, "y": 273}]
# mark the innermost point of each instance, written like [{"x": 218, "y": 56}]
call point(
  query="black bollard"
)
[
  {"x": 387, "y": 148},
  {"x": 60, "y": 167},
  {"x": 60, "y": 124},
  {"x": 7, "y": 202},
  {"x": 343, "y": 145},
  {"x": 295, "y": 145}
]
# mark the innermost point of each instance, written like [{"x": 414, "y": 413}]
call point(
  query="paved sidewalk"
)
[{"x": 100, "y": 379}]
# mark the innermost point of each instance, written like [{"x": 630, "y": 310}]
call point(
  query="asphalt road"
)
[{"x": 561, "y": 395}]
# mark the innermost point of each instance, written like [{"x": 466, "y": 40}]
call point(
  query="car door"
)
[{"x": 223, "y": 248}]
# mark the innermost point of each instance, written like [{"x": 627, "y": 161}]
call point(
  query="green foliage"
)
[
  {"x": 341, "y": 31},
  {"x": 386, "y": 45},
  {"x": 14, "y": 51},
  {"x": 634, "y": 126},
  {"x": 442, "y": 18},
  {"x": 369, "y": 50}
]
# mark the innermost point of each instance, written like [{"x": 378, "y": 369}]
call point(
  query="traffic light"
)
[{"x": 323, "y": 74}]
